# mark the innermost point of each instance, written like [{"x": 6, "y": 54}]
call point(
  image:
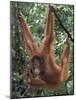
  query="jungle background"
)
[{"x": 35, "y": 14}]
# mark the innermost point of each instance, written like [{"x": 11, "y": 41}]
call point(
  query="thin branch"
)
[{"x": 69, "y": 35}]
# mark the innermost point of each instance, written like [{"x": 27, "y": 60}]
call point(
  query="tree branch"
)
[{"x": 69, "y": 35}]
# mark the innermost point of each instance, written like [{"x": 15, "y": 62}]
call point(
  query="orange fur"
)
[{"x": 51, "y": 75}]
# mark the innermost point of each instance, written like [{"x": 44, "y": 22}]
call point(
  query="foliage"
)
[{"x": 35, "y": 15}]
